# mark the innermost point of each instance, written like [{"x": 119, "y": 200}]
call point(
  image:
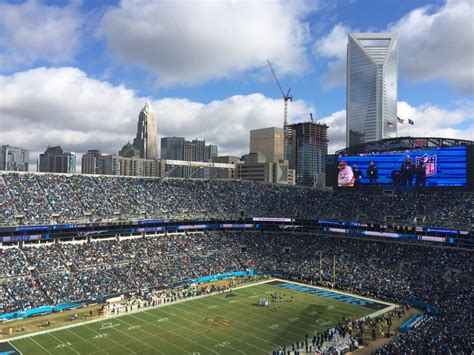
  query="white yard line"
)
[
  {"x": 14, "y": 347},
  {"x": 136, "y": 339},
  {"x": 259, "y": 329},
  {"x": 254, "y": 336},
  {"x": 41, "y": 346},
  {"x": 217, "y": 340},
  {"x": 64, "y": 343},
  {"x": 149, "y": 336},
  {"x": 112, "y": 340},
  {"x": 84, "y": 339},
  {"x": 170, "y": 331}
]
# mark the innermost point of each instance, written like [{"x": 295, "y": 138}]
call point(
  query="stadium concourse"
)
[{"x": 54, "y": 273}]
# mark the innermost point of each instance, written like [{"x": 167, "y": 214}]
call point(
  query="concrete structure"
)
[
  {"x": 14, "y": 158},
  {"x": 218, "y": 173},
  {"x": 177, "y": 148},
  {"x": 89, "y": 163},
  {"x": 269, "y": 141},
  {"x": 145, "y": 141},
  {"x": 123, "y": 166},
  {"x": 55, "y": 160},
  {"x": 257, "y": 167},
  {"x": 307, "y": 148},
  {"x": 372, "y": 87}
]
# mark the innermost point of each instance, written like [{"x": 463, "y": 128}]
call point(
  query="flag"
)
[
  {"x": 411, "y": 122},
  {"x": 390, "y": 124},
  {"x": 400, "y": 120}
]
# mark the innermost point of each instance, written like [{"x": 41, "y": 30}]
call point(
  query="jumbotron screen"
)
[{"x": 442, "y": 166}]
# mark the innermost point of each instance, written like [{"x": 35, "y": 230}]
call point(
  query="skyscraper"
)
[
  {"x": 13, "y": 158},
  {"x": 268, "y": 141},
  {"x": 55, "y": 160},
  {"x": 307, "y": 149},
  {"x": 145, "y": 140},
  {"x": 90, "y": 161},
  {"x": 372, "y": 87},
  {"x": 177, "y": 148}
]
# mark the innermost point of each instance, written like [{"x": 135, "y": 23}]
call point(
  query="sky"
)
[{"x": 76, "y": 73}]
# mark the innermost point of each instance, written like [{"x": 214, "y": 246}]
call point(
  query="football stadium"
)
[{"x": 134, "y": 265}]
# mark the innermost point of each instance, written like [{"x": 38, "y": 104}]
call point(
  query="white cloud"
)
[
  {"x": 32, "y": 31},
  {"x": 337, "y": 130},
  {"x": 439, "y": 44},
  {"x": 63, "y": 106},
  {"x": 334, "y": 45},
  {"x": 431, "y": 45},
  {"x": 191, "y": 42},
  {"x": 433, "y": 121}
]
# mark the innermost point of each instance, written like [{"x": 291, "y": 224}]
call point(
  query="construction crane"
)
[{"x": 286, "y": 97}]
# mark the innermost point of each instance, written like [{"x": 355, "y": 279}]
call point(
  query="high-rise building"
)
[
  {"x": 55, "y": 160},
  {"x": 113, "y": 164},
  {"x": 307, "y": 148},
  {"x": 89, "y": 164},
  {"x": 372, "y": 87},
  {"x": 14, "y": 158},
  {"x": 172, "y": 148},
  {"x": 210, "y": 152},
  {"x": 145, "y": 141},
  {"x": 177, "y": 148},
  {"x": 269, "y": 141}
]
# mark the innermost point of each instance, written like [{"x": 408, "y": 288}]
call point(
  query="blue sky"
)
[{"x": 85, "y": 68}]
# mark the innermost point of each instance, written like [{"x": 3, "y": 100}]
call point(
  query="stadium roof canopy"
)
[{"x": 403, "y": 143}]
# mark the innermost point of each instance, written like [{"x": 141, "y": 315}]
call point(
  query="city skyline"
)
[{"x": 71, "y": 76}]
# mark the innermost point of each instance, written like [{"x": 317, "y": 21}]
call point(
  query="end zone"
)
[{"x": 8, "y": 349}]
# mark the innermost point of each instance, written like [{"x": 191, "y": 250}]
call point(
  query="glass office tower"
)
[{"x": 372, "y": 87}]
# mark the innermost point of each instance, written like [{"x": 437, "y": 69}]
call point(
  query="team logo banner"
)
[{"x": 430, "y": 162}]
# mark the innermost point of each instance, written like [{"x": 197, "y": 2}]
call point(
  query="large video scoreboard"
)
[{"x": 444, "y": 167}]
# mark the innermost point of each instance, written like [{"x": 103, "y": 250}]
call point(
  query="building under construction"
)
[{"x": 306, "y": 150}]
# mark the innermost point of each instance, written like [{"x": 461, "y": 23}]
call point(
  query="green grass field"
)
[{"x": 216, "y": 324}]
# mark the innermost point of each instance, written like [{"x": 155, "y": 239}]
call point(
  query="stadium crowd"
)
[
  {"x": 401, "y": 273},
  {"x": 38, "y": 197}
]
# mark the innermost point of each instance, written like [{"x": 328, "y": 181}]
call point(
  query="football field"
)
[{"x": 223, "y": 323}]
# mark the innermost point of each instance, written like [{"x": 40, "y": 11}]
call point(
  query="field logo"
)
[
  {"x": 430, "y": 162},
  {"x": 217, "y": 322}
]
